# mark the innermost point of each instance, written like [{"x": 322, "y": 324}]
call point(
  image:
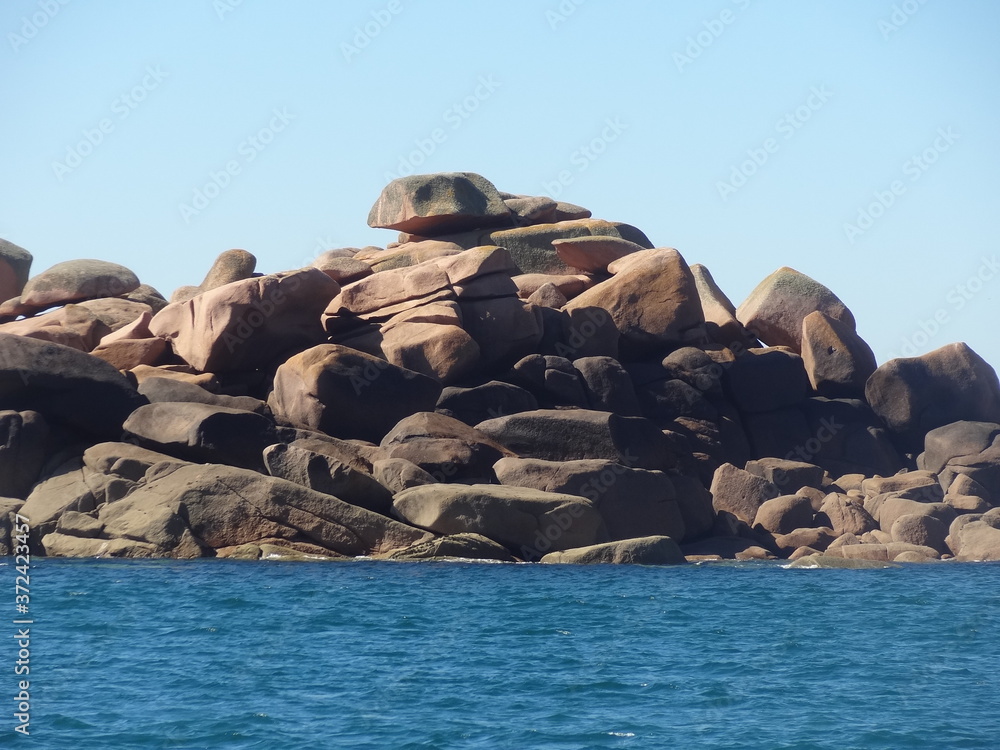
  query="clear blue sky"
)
[{"x": 669, "y": 99}]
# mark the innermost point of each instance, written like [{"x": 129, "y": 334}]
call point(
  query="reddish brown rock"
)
[
  {"x": 917, "y": 394},
  {"x": 652, "y": 300},
  {"x": 569, "y": 286},
  {"x": 721, "y": 325},
  {"x": 783, "y": 514},
  {"x": 348, "y": 394},
  {"x": 775, "y": 309},
  {"x": 132, "y": 345},
  {"x": 844, "y": 516},
  {"x": 73, "y": 326},
  {"x": 837, "y": 360},
  {"x": 740, "y": 493},
  {"x": 595, "y": 253},
  {"x": 247, "y": 324}
]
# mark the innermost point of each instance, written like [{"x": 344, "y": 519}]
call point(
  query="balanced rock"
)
[
  {"x": 837, "y": 360},
  {"x": 775, "y": 309},
  {"x": 75, "y": 280},
  {"x": 434, "y": 204},
  {"x": 917, "y": 394}
]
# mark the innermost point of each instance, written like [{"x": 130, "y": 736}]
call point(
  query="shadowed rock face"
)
[
  {"x": 65, "y": 385},
  {"x": 915, "y": 395},
  {"x": 511, "y": 379}
]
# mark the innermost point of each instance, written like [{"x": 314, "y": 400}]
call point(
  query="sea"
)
[{"x": 374, "y": 654}]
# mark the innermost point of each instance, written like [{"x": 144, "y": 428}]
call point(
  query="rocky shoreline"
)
[{"x": 510, "y": 380}]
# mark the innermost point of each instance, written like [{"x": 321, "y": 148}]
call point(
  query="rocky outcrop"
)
[{"x": 508, "y": 379}]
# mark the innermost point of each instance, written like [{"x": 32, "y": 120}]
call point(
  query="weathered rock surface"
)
[
  {"x": 917, "y": 394},
  {"x": 775, "y": 310},
  {"x": 23, "y": 448},
  {"x": 246, "y": 324},
  {"x": 632, "y": 502},
  {"x": 15, "y": 267},
  {"x": 203, "y": 432},
  {"x": 75, "y": 280},
  {"x": 65, "y": 385},
  {"x": 837, "y": 360},
  {"x": 740, "y": 493},
  {"x": 566, "y": 435},
  {"x": 650, "y": 550},
  {"x": 528, "y": 522},
  {"x": 348, "y": 394},
  {"x": 439, "y": 203},
  {"x": 652, "y": 299}
]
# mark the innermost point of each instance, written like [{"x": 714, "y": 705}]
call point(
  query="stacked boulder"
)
[{"x": 511, "y": 380}]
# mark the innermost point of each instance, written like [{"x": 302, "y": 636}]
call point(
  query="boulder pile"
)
[{"x": 510, "y": 380}]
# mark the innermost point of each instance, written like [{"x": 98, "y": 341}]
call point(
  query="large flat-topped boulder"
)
[
  {"x": 529, "y": 522},
  {"x": 775, "y": 309},
  {"x": 77, "y": 280},
  {"x": 434, "y": 204}
]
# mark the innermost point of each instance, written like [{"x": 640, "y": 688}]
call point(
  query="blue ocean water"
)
[{"x": 227, "y": 654}]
